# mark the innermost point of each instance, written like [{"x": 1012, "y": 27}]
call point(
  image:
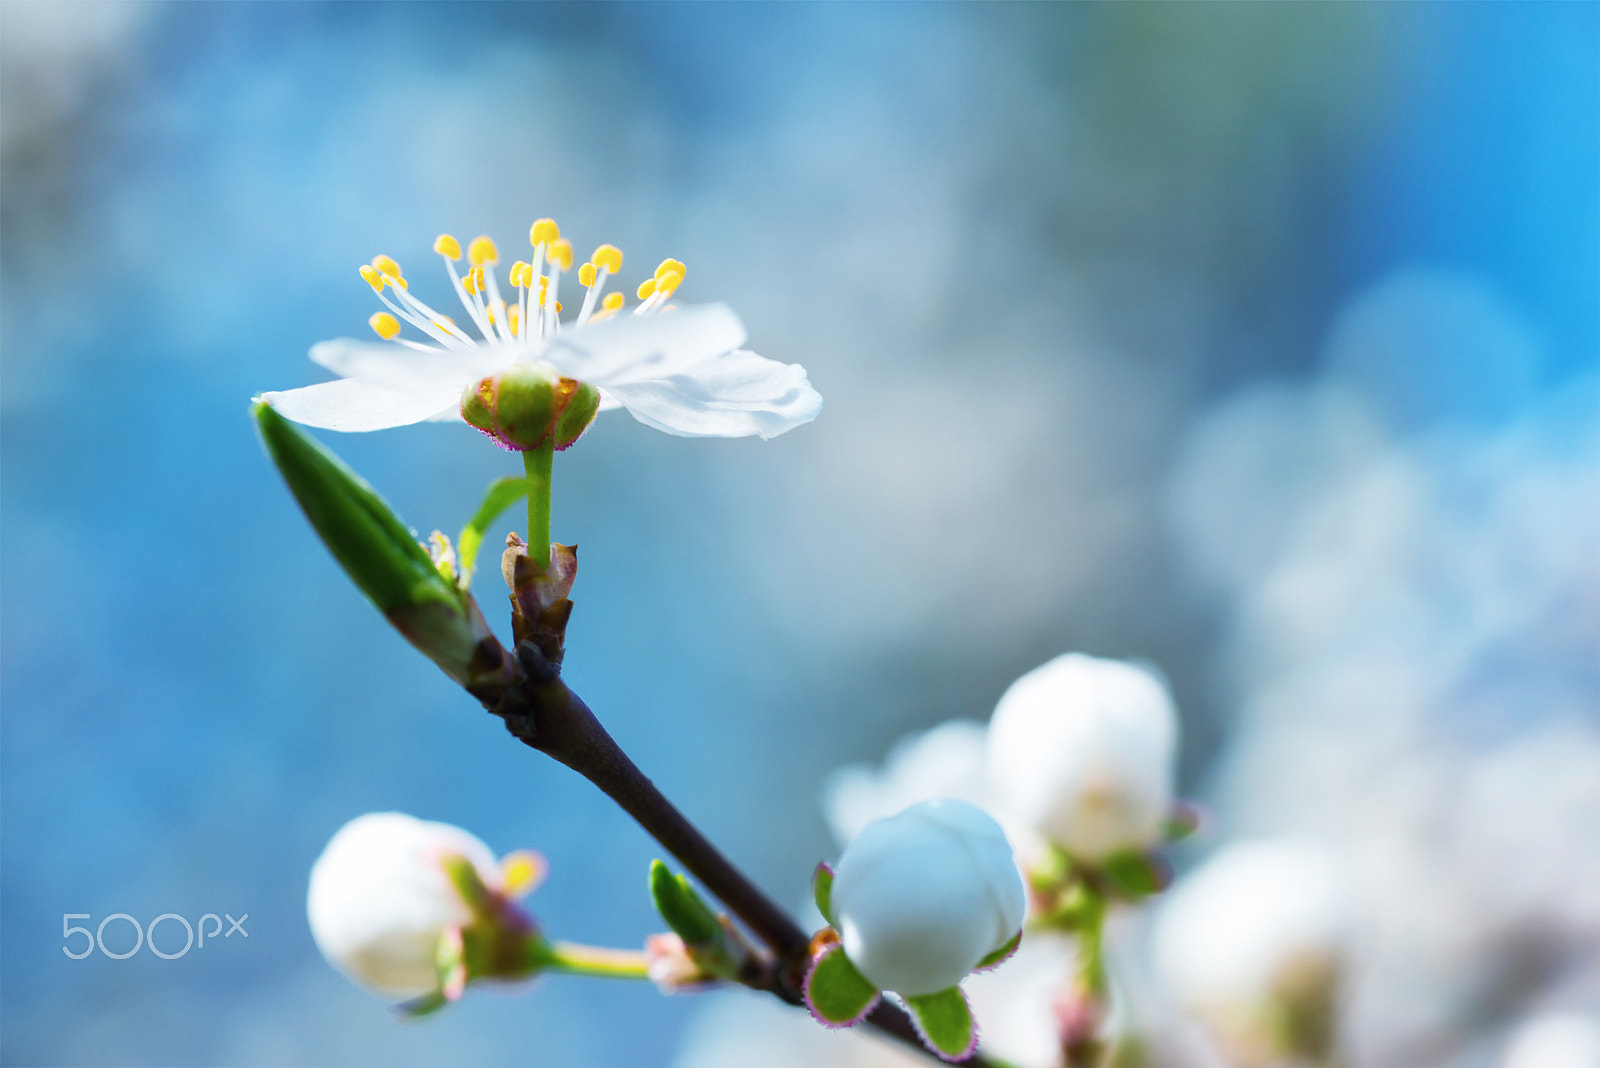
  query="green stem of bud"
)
[
  {"x": 598, "y": 961},
  {"x": 538, "y": 463}
]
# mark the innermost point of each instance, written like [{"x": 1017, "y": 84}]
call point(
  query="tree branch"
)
[{"x": 542, "y": 712}]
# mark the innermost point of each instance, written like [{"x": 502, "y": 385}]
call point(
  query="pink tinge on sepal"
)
[
  {"x": 805, "y": 993},
  {"x": 952, "y": 1058}
]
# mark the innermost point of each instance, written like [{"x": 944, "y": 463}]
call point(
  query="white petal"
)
[
  {"x": 630, "y": 348},
  {"x": 607, "y": 401},
  {"x": 352, "y": 405},
  {"x": 399, "y": 367},
  {"x": 732, "y": 395}
]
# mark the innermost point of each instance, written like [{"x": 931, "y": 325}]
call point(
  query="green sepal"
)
[
  {"x": 376, "y": 549},
  {"x": 501, "y": 494},
  {"x": 822, "y": 890},
  {"x": 1183, "y": 821},
  {"x": 463, "y": 875},
  {"x": 1000, "y": 954},
  {"x": 682, "y": 907},
  {"x": 1137, "y": 874},
  {"x": 424, "y": 1005},
  {"x": 837, "y": 994},
  {"x": 945, "y": 1023}
]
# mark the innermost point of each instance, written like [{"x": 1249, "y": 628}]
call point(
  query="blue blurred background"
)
[{"x": 1257, "y": 341}]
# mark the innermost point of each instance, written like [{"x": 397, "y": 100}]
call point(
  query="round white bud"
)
[
  {"x": 921, "y": 897},
  {"x": 1083, "y": 751},
  {"x": 380, "y": 898}
]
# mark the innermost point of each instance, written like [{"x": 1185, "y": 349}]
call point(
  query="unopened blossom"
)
[
  {"x": 1254, "y": 941},
  {"x": 1082, "y": 750},
  {"x": 381, "y": 898},
  {"x": 920, "y": 898},
  {"x": 677, "y": 369}
]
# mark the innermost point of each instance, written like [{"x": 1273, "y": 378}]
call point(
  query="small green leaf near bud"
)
[
  {"x": 1137, "y": 874},
  {"x": 836, "y": 992},
  {"x": 375, "y": 548},
  {"x": 383, "y": 558},
  {"x": 501, "y": 494},
  {"x": 1184, "y": 820},
  {"x": 945, "y": 1023},
  {"x": 822, "y": 890},
  {"x": 682, "y": 907},
  {"x": 1000, "y": 955}
]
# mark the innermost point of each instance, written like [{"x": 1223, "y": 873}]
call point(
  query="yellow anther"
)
[
  {"x": 482, "y": 251},
  {"x": 613, "y": 301},
  {"x": 561, "y": 252},
  {"x": 385, "y": 265},
  {"x": 521, "y": 273},
  {"x": 542, "y": 231},
  {"x": 384, "y": 325},
  {"x": 396, "y": 280},
  {"x": 609, "y": 257},
  {"x": 669, "y": 281},
  {"x": 521, "y": 872},
  {"x": 670, "y": 265},
  {"x": 558, "y": 307},
  {"x": 515, "y": 314},
  {"x": 370, "y": 274},
  {"x": 647, "y": 288},
  {"x": 447, "y": 246},
  {"x": 586, "y": 275},
  {"x": 473, "y": 282}
]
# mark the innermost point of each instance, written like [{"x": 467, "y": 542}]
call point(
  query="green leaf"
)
[
  {"x": 822, "y": 890},
  {"x": 1000, "y": 954},
  {"x": 945, "y": 1023},
  {"x": 501, "y": 494},
  {"x": 836, "y": 993},
  {"x": 682, "y": 907},
  {"x": 376, "y": 549},
  {"x": 381, "y": 555},
  {"x": 1138, "y": 874}
]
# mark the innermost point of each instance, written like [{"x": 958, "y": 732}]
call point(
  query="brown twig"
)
[{"x": 541, "y": 711}]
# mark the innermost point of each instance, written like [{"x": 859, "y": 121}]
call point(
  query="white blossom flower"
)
[
  {"x": 1083, "y": 750},
  {"x": 922, "y": 897},
  {"x": 1256, "y": 936},
  {"x": 380, "y": 897},
  {"x": 680, "y": 370}
]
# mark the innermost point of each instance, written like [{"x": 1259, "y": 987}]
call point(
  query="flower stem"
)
[
  {"x": 538, "y": 463},
  {"x": 598, "y": 961}
]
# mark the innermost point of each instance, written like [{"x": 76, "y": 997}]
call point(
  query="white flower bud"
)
[
  {"x": 380, "y": 898},
  {"x": 1082, "y": 750},
  {"x": 921, "y": 897}
]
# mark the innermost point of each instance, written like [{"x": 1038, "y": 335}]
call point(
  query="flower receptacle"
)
[{"x": 530, "y": 406}]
